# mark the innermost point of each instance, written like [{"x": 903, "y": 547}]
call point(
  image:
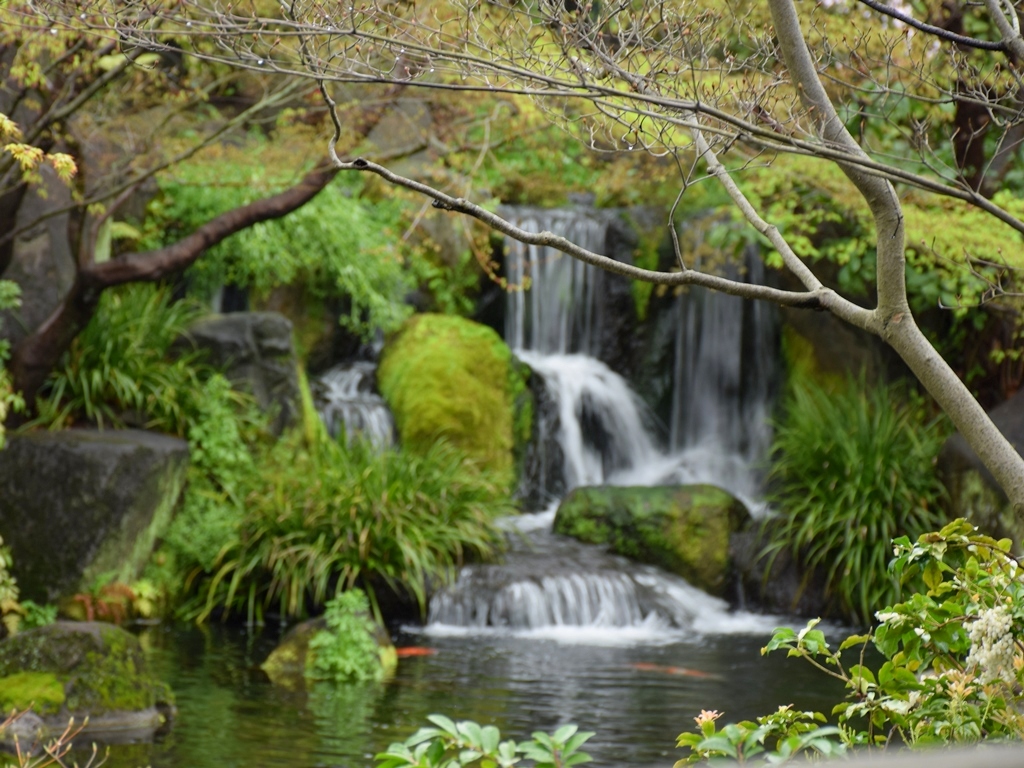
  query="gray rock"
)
[
  {"x": 78, "y": 504},
  {"x": 255, "y": 351}
]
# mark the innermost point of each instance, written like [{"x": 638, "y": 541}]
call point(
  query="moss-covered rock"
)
[
  {"x": 683, "y": 529},
  {"x": 82, "y": 669},
  {"x": 445, "y": 377},
  {"x": 41, "y": 691},
  {"x": 288, "y": 664}
]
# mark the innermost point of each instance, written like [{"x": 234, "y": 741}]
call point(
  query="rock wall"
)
[{"x": 80, "y": 504}]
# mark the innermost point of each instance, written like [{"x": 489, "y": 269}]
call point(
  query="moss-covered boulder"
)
[
  {"x": 288, "y": 664},
  {"x": 445, "y": 377},
  {"x": 683, "y": 529},
  {"x": 83, "y": 669}
]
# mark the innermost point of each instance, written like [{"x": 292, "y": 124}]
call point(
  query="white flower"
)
[{"x": 992, "y": 648}]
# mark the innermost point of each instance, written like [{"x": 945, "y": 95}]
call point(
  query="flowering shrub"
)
[{"x": 953, "y": 654}]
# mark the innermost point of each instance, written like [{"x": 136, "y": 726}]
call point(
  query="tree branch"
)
[{"x": 931, "y": 29}]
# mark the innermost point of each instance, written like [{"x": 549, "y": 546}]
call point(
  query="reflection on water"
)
[{"x": 637, "y": 698}]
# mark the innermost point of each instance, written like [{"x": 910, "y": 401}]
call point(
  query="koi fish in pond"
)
[
  {"x": 412, "y": 650},
  {"x": 643, "y": 666}
]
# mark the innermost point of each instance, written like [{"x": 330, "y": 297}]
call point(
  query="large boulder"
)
[
  {"x": 79, "y": 504},
  {"x": 255, "y": 351},
  {"x": 684, "y": 529},
  {"x": 448, "y": 378},
  {"x": 83, "y": 670}
]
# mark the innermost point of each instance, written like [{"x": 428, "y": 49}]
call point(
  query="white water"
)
[
  {"x": 346, "y": 401},
  {"x": 555, "y": 588}
]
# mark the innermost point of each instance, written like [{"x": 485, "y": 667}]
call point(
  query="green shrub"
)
[
  {"x": 324, "y": 517},
  {"x": 118, "y": 369},
  {"x": 225, "y": 430},
  {"x": 348, "y": 651},
  {"x": 852, "y": 470},
  {"x": 948, "y": 666},
  {"x": 448, "y": 744}
]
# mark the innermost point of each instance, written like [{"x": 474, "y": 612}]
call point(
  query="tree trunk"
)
[{"x": 39, "y": 352}]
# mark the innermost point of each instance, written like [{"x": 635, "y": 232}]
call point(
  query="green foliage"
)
[
  {"x": 952, "y": 656},
  {"x": 452, "y": 745},
  {"x": 118, "y": 368},
  {"x": 338, "y": 245},
  {"x": 779, "y": 737},
  {"x": 36, "y": 615},
  {"x": 224, "y": 431},
  {"x": 449, "y": 378},
  {"x": 324, "y": 517},
  {"x": 347, "y": 651},
  {"x": 10, "y": 608},
  {"x": 852, "y": 470},
  {"x": 10, "y": 298}
]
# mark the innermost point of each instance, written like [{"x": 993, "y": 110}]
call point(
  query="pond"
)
[
  {"x": 636, "y": 698},
  {"x": 560, "y": 632}
]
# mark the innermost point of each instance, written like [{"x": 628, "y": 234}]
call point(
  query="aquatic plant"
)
[
  {"x": 952, "y": 662},
  {"x": 450, "y": 744},
  {"x": 323, "y": 516},
  {"x": 852, "y": 470},
  {"x": 347, "y": 651}
]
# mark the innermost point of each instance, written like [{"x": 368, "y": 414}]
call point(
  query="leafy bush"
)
[
  {"x": 852, "y": 470},
  {"x": 952, "y": 661},
  {"x": 10, "y": 298},
  {"x": 347, "y": 651},
  {"x": 225, "y": 430},
  {"x": 324, "y": 517},
  {"x": 118, "y": 369},
  {"x": 452, "y": 745}
]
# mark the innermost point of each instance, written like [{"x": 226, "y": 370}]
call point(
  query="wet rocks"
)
[{"x": 684, "y": 529}]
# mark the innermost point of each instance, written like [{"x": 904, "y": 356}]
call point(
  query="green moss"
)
[
  {"x": 683, "y": 529},
  {"x": 112, "y": 678},
  {"x": 41, "y": 691},
  {"x": 449, "y": 378},
  {"x": 100, "y": 668}
]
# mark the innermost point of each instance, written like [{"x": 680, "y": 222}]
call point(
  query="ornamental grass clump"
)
[
  {"x": 852, "y": 470},
  {"x": 324, "y": 516},
  {"x": 118, "y": 370}
]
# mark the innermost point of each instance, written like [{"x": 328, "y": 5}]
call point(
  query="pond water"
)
[
  {"x": 636, "y": 697},
  {"x": 559, "y": 632}
]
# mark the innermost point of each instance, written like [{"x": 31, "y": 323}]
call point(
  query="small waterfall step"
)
[
  {"x": 554, "y": 586},
  {"x": 346, "y": 400}
]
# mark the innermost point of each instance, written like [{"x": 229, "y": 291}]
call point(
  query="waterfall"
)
[
  {"x": 554, "y": 587},
  {"x": 725, "y": 369},
  {"x": 346, "y": 400},
  {"x": 593, "y": 429},
  {"x": 561, "y": 310}
]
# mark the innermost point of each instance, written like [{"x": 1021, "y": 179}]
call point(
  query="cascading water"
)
[
  {"x": 599, "y": 431},
  {"x": 346, "y": 400}
]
